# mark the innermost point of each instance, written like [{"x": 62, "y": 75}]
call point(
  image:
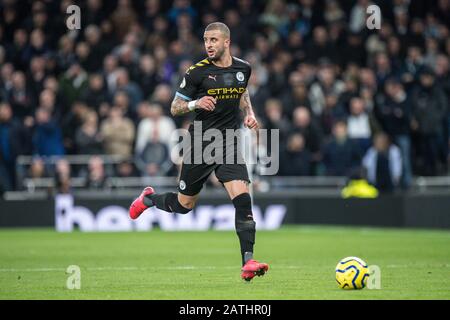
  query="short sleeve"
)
[{"x": 188, "y": 87}]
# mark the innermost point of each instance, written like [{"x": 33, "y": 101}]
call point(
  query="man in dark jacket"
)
[
  {"x": 341, "y": 155},
  {"x": 47, "y": 137},
  {"x": 394, "y": 114},
  {"x": 12, "y": 144},
  {"x": 429, "y": 112},
  {"x": 295, "y": 160}
]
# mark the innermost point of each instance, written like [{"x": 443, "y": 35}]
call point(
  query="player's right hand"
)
[{"x": 207, "y": 103}]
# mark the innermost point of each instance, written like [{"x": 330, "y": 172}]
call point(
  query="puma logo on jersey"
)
[{"x": 212, "y": 77}]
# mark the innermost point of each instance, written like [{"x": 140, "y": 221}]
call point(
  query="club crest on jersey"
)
[
  {"x": 240, "y": 76},
  {"x": 183, "y": 83},
  {"x": 228, "y": 79}
]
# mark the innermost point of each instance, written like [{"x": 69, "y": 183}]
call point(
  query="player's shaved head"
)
[
  {"x": 217, "y": 40},
  {"x": 222, "y": 27}
]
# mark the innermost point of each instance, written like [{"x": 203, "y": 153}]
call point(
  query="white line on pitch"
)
[{"x": 133, "y": 268}]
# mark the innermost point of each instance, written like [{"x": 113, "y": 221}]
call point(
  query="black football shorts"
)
[{"x": 193, "y": 176}]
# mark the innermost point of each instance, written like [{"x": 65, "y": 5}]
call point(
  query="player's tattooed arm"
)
[
  {"x": 246, "y": 105},
  {"x": 179, "y": 107}
]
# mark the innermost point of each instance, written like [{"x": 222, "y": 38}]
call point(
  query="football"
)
[{"x": 352, "y": 273}]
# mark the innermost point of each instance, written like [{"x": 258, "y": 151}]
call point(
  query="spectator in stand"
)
[
  {"x": 320, "y": 46},
  {"x": 148, "y": 78},
  {"x": 360, "y": 123},
  {"x": 333, "y": 112},
  {"x": 6, "y": 75},
  {"x": 163, "y": 95},
  {"x": 47, "y": 136},
  {"x": 70, "y": 124},
  {"x": 154, "y": 159},
  {"x": 432, "y": 52},
  {"x": 2, "y": 54},
  {"x": 52, "y": 84},
  {"x": 383, "y": 163},
  {"x": 415, "y": 37},
  {"x": 122, "y": 101},
  {"x": 394, "y": 114},
  {"x": 20, "y": 96},
  {"x": 37, "y": 169},
  {"x": 98, "y": 49},
  {"x": 94, "y": 13},
  {"x": 126, "y": 169},
  {"x": 296, "y": 95},
  {"x": 395, "y": 52},
  {"x": 274, "y": 14},
  {"x": 156, "y": 127},
  {"x": 354, "y": 52},
  {"x": 368, "y": 79},
  {"x": 258, "y": 92},
  {"x": 358, "y": 16},
  {"x": 430, "y": 114},
  {"x": 15, "y": 52},
  {"x": 96, "y": 174},
  {"x": 327, "y": 84},
  {"x": 179, "y": 7},
  {"x": 85, "y": 57},
  {"x": 95, "y": 95},
  {"x": 153, "y": 142},
  {"x": 110, "y": 65},
  {"x": 341, "y": 155},
  {"x": 383, "y": 68},
  {"x": 277, "y": 77},
  {"x": 47, "y": 100},
  {"x": 11, "y": 145},
  {"x": 117, "y": 133},
  {"x": 442, "y": 71},
  {"x": 62, "y": 176},
  {"x": 65, "y": 55},
  {"x": 295, "y": 160},
  {"x": 73, "y": 82},
  {"x": 87, "y": 138},
  {"x": 412, "y": 66},
  {"x": 123, "y": 18},
  {"x": 133, "y": 91},
  {"x": 304, "y": 124},
  {"x": 275, "y": 118},
  {"x": 36, "y": 47},
  {"x": 128, "y": 52}
]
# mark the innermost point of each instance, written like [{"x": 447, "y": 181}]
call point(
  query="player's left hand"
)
[{"x": 251, "y": 122}]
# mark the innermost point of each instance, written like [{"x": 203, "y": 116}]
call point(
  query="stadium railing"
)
[{"x": 305, "y": 184}]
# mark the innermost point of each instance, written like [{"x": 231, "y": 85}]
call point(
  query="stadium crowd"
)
[{"x": 342, "y": 96}]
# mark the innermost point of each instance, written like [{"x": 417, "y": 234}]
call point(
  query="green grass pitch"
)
[{"x": 415, "y": 264}]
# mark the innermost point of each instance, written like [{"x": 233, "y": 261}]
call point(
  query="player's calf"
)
[
  {"x": 245, "y": 225},
  {"x": 168, "y": 202},
  {"x": 165, "y": 201}
]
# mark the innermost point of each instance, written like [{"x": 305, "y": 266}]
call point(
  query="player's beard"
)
[{"x": 218, "y": 55}]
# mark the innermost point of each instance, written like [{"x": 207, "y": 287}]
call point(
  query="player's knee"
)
[
  {"x": 243, "y": 205},
  {"x": 179, "y": 208},
  {"x": 185, "y": 203}
]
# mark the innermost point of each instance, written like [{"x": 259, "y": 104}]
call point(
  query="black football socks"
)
[
  {"x": 166, "y": 201},
  {"x": 245, "y": 225}
]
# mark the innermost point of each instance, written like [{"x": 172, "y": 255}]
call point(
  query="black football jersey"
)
[{"x": 226, "y": 85}]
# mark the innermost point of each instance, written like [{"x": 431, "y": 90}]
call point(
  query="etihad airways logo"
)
[{"x": 217, "y": 91}]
